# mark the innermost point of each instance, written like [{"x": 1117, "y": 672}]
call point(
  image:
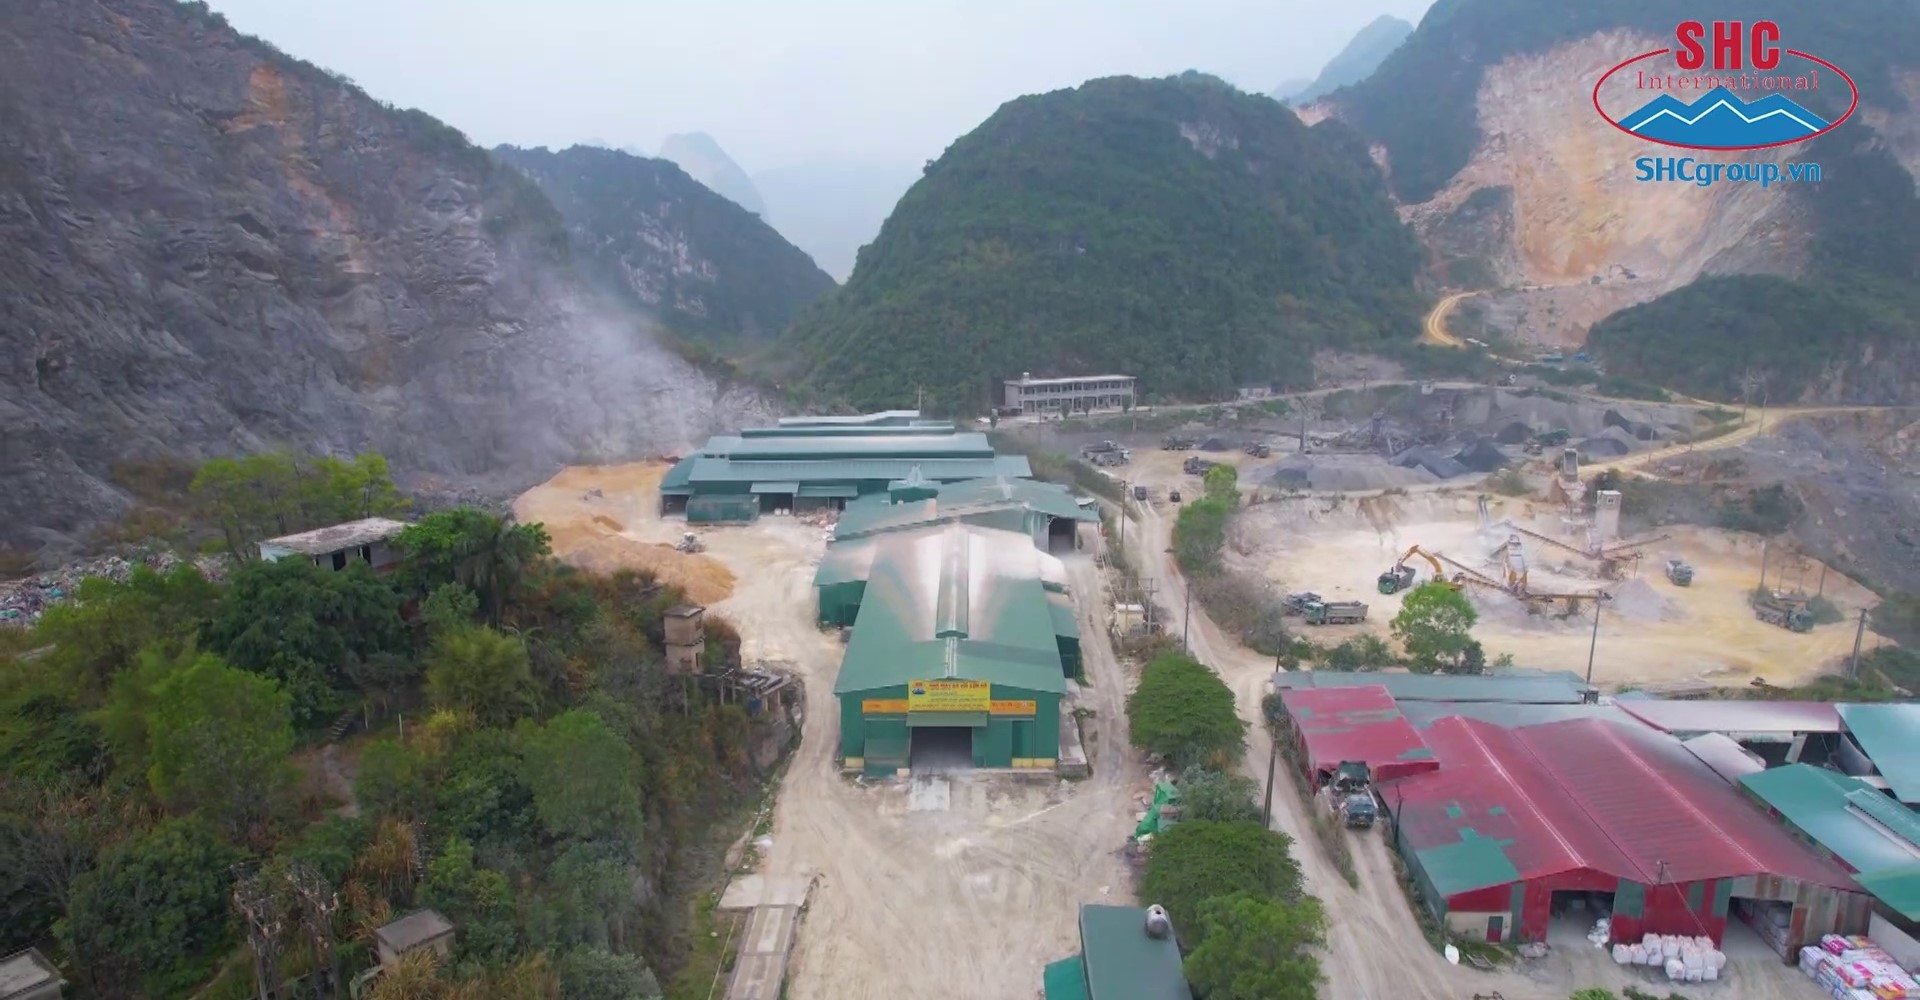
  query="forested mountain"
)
[
  {"x": 701, "y": 263},
  {"x": 1361, "y": 56},
  {"x": 700, "y": 155},
  {"x": 207, "y": 247},
  {"x": 1484, "y": 122},
  {"x": 1179, "y": 229}
]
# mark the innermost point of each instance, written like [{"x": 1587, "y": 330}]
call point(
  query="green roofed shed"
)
[
  {"x": 1851, "y": 821},
  {"x": 1889, "y": 733}
]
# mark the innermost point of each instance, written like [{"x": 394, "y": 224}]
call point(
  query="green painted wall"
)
[
  {"x": 1069, "y": 655},
  {"x": 840, "y": 603},
  {"x": 993, "y": 744}
]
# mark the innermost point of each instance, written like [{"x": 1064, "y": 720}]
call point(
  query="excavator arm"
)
[{"x": 1438, "y": 572}]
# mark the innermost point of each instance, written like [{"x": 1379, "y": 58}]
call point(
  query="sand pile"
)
[
  {"x": 602, "y": 519},
  {"x": 1636, "y": 600}
]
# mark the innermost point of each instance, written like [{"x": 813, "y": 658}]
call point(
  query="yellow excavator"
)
[{"x": 1400, "y": 577}]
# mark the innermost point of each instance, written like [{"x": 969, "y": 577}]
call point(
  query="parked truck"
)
[
  {"x": 1679, "y": 573},
  {"x": 1350, "y": 795},
  {"x": 1178, "y": 444},
  {"x": 1257, "y": 449},
  {"x": 1335, "y": 613},
  {"x": 1296, "y": 604},
  {"x": 1197, "y": 466},
  {"x": 1787, "y": 613}
]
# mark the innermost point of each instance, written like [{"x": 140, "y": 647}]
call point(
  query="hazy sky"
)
[{"x": 782, "y": 81}]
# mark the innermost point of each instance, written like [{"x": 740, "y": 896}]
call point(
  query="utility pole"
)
[
  {"x": 1859, "y": 634},
  {"x": 1763, "y": 562},
  {"x": 1186, "y": 624},
  {"x": 1273, "y": 757},
  {"x": 1823, "y": 581},
  {"x": 1594, "y": 643}
]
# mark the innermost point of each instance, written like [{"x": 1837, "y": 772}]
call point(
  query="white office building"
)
[{"x": 1080, "y": 394}]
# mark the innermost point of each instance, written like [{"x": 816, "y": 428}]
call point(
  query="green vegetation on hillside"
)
[
  {"x": 541, "y": 781},
  {"x": 1854, "y": 317},
  {"x": 1178, "y": 229},
  {"x": 1422, "y": 101},
  {"x": 620, "y": 208}
]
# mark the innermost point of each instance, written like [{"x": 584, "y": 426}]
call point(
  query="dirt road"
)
[
  {"x": 1434, "y": 329},
  {"x": 1375, "y": 948},
  {"x": 1749, "y": 427}
]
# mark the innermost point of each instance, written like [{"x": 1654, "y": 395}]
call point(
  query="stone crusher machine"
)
[{"x": 1400, "y": 576}]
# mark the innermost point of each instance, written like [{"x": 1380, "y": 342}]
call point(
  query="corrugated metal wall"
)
[{"x": 718, "y": 509}]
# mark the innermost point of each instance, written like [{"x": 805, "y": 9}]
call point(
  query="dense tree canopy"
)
[
  {"x": 219, "y": 740},
  {"x": 274, "y": 494},
  {"x": 1178, "y": 229},
  {"x": 1252, "y": 948},
  {"x": 1184, "y": 712},
  {"x": 154, "y": 915},
  {"x": 1193, "y": 863},
  {"x": 1434, "y": 623}
]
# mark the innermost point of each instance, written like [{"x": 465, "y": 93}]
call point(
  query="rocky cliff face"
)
[
  {"x": 1549, "y": 208},
  {"x": 654, "y": 235},
  {"x": 208, "y": 247}
]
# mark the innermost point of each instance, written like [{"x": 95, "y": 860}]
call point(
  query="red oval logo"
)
[{"x": 1719, "y": 118}]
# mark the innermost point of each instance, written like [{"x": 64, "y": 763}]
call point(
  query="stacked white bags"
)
[
  {"x": 1684, "y": 959},
  {"x": 1602, "y": 931}
]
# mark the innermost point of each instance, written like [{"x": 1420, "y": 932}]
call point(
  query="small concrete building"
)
[
  {"x": 368, "y": 541},
  {"x": 1121, "y": 957},
  {"x": 417, "y": 931},
  {"x": 27, "y": 975},
  {"x": 686, "y": 635},
  {"x": 1082, "y": 394}
]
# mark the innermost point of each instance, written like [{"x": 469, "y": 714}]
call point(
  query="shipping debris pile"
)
[{"x": 22, "y": 602}]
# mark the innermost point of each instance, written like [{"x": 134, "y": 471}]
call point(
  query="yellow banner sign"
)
[
  {"x": 949, "y": 696},
  {"x": 884, "y": 706},
  {"x": 1015, "y": 707}
]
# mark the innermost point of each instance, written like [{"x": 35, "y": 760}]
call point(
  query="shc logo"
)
[
  {"x": 919, "y": 691},
  {"x": 1723, "y": 89}
]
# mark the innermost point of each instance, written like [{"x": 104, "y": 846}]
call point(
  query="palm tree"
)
[{"x": 494, "y": 557}]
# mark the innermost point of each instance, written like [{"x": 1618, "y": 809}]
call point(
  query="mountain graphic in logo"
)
[{"x": 1721, "y": 120}]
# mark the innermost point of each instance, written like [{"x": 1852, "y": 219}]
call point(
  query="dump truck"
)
[
  {"x": 1679, "y": 573},
  {"x": 1197, "y": 466},
  {"x": 1788, "y": 614},
  {"x": 1296, "y": 604},
  {"x": 1139, "y": 492},
  {"x": 1335, "y": 613},
  {"x": 1178, "y": 444},
  {"x": 1400, "y": 576},
  {"x": 1173, "y": 496},
  {"x": 1257, "y": 450}
]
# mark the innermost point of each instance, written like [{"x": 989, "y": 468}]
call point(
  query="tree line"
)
[{"x": 532, "y": 773}]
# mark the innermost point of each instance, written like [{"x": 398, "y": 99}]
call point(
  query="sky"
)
[{"x": 782, "y": 82}]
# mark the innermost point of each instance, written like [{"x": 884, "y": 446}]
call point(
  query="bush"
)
[
  {"x": 1184, "y": 712},
  {"x": 1198, "y": 861},
  {"x": 1248, "y": 608},
  {"x": 1210, "y": 796},
  {"x": 1362, "y": 652}
]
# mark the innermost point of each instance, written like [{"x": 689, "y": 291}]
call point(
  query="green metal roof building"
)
[
  {"x": 1889, "y": 734},
  {"x": 801, "y": 466},
  {"x": 957, "y": 642},
  {"x": 1118, "y": 960},
  {"x": 1852, "y": 822}
]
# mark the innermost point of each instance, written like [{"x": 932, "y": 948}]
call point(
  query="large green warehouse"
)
[
  {"x": 956, "y": 655},
  {"x": 806, "y": 466}
]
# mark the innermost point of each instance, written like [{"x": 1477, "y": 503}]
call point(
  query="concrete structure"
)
[
  {"x": 27, "y": 975},
  {"x": 774, "y": 906},
  {"x": 1606, "y": 516},
  {"x": 1519, "y": 823},
  {"x": 1332, "y": 726},
  {"x": 1120, "y": 959},
  {"x": 417, "y": 931},
  {"x": 686, "y": 637},
  {"x": 958, "y": 657},
  {"x": 1046, "y": 512},
  {"x": 799, "y": 467},
  {"x": 1853, "y": 823},
  {"x": 1081, "y": 394},
  {"x": 366, "y": 541}
]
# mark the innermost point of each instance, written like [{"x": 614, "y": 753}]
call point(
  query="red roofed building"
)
[
  {"x": 1586, "y": 806},
  {"x": 1333, "y": 726}
]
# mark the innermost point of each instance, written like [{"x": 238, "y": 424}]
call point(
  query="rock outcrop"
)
[
  {"x": 700, "y": 155},
  {"x": 208, "y": 247}
]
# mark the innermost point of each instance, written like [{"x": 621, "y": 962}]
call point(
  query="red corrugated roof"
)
[
  {"x": 1358, "y": 723},
  {"x": 1735, "y": 716},
  {"x": 1665, "y": 810},
  {"x": 1492, "y": 785}
]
